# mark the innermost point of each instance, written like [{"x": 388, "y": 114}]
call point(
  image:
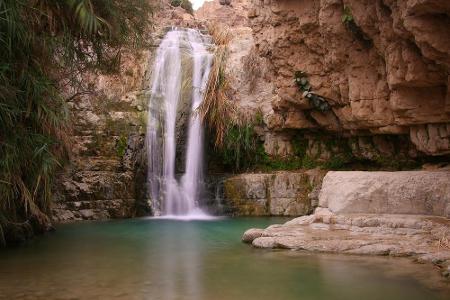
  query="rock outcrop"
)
[
  {"x": 371, "y": 213},
  {"x": 381, "y": 66},
  {"x": 273, "y": 194},
  {"x": 106, "y": 173}
]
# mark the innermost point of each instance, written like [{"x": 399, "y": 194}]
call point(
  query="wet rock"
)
[
  {"x": 276, "y": 194},
  {"x": 251, "y": 234}
]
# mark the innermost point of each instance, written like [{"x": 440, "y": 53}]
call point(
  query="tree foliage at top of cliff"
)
[
  {"x": 185, "y": 4},
  {"x": 45, "y": 45}
]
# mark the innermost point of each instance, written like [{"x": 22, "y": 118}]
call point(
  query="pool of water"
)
[{"x": 175, "y": 259}]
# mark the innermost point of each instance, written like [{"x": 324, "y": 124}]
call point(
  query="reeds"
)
[
  {"x": 217, "y": 110},
  {"x": 236, "y": 143}
]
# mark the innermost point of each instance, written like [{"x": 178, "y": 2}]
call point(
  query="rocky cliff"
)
[
  {"x": 106, "y": 175},
  {"x": 372, "y": 73}
]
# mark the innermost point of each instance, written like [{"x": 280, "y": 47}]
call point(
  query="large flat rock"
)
[
  {"x": 424, "y": 238},
  {"x": 372, "y": 213},
  {"x": 409, "y": 192}
]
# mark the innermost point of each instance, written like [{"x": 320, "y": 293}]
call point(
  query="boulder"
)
[{"x": 409, "y": 192}]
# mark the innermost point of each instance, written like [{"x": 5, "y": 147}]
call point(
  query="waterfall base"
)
[{"x": 180, "y": 75}]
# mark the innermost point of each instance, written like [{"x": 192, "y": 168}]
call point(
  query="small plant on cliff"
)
[
  {"x": 187, "y": 5},
  {"x": 347, "y": 16},
  {"x": 121, "y": 145},
  {"x": 316, "y": 101},
  {"x": 349, "y": 22}
]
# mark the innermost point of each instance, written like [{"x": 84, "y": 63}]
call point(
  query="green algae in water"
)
[{"x": 167, "y": 259}]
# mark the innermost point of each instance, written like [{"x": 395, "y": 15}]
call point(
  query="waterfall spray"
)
[{"x": 179, "y": 49}]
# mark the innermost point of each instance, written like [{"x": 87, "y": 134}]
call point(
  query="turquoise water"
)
[{"x": 166, "y": 259}]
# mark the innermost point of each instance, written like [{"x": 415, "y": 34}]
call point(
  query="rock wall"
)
[
  {"x": 382, "y": 67},
  {"x": 273, "y": 194},
  {"x": 384, "y": 73},
  {"x": 101, "y": 180}
]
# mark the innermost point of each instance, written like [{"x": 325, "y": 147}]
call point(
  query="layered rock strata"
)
[{"x": 273, "y": 194}]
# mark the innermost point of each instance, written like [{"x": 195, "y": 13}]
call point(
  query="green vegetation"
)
[
  {"x": 185, "y": 4},
  {"x": 350, "y": 24},
  {"x": 347, "y": 16},
  {"x": 121, "y": 146},
  {"x": 217, "y": 110},
  {"x": 316, "y": 101},
  {"x": 240, "y": 148},
  {"x": 243, "y": 151},
  {"x": 44, "y": 47}
]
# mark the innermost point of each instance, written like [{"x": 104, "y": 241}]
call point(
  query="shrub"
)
[
  {"x": 121, "y": 146},
  {"x": 187, "y": 6},
  {"x": 217, "y": 110},
  {"x": 350, "y": 24}
]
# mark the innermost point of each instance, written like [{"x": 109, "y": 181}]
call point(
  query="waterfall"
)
[{"x": 180, "y": 74}]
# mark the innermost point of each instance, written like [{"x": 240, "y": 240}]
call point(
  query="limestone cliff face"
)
[
  {"x": 104, "y": 178},
  {"x": 385, "y": 72},
  {"x": 382, "y": 66}
]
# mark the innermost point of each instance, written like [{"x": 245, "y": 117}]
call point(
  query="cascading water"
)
[{"x": 180, "y": 74}]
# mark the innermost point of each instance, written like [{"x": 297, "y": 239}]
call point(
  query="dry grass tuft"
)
[
  {"x": 253, "y": 68},
  {"x": 217, "y": 110},
  {"x": 221, "y": 34},
  {"x": 444, "y": 239}
]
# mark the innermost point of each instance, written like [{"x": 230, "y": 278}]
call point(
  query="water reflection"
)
[
  {"x": 179, "y": 270},
  {"x": 201, "y": 260}
]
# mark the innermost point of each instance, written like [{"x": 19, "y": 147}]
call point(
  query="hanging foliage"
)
[
  {"x": 44, "y": 46},
  {"x": 316, "y": 101}
]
